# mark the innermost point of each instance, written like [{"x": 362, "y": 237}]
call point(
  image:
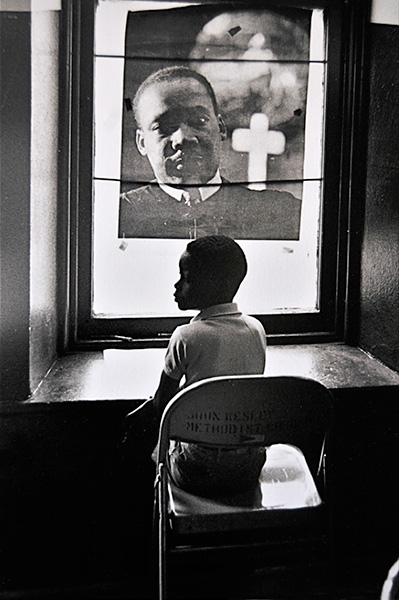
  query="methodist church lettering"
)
[
  {"x": 236, "y": 423},
  {"x": 228, "y": 131}
]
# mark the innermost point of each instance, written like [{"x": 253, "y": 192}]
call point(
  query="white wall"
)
[
  {"x": 44, "y": 192},
  {"x": 385, "y": 12}
]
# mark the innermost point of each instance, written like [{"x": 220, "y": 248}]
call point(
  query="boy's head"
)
[{"x": 211, "y": 271}]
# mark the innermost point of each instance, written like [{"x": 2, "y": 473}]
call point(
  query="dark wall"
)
[
  {"x": 75, "y": 509},
  {"x": 379, "y": 286},
  {"x": 364, "y": 485},
  {"x": 15, "y": 113},
  {"x": 28, "y": 198}
]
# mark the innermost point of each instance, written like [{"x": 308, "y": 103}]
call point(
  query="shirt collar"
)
[
  {"x": 229, "y": 308},
  {"x": 206, "y": 191}
]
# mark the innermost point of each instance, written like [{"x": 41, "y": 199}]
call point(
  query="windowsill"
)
[{"x": 134, "y": 374}]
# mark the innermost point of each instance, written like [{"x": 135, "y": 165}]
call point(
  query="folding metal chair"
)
[{"x": 291, "y": 416}]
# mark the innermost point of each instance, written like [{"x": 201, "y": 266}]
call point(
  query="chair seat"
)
[{"x": 285, "y": 483}]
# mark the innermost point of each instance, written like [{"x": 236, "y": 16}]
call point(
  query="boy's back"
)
[{"x": 220, "y": 340}]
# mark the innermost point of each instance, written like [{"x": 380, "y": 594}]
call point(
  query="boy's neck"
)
[{"x": 216, "y": 303}]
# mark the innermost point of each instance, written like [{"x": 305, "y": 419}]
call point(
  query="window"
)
[{"x": 281, "y": 75}]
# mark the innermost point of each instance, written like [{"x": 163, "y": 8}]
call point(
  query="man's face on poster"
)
[{"x": 179, "y": 132}]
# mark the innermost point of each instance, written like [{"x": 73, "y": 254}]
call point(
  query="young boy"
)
[{"x": 220, "y": 340}]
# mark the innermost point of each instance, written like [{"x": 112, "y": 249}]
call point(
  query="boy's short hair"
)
[
  {"x": 220, "y": 259},
  {"x": 169, "y": 74}
]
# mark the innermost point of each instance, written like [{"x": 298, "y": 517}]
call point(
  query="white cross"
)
[{"x": 258, "y": 141}]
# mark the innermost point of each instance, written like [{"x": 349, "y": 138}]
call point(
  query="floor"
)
[
  {"x": 291, "y": 586},
  {"x": 113, "y": 591},
  {"x": 361, "y": 580}
]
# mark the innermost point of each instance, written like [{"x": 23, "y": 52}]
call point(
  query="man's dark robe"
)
[{"x": 234, "y": 210}]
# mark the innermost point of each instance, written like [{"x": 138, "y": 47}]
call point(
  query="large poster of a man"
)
[{"x": 213, "y": 127}]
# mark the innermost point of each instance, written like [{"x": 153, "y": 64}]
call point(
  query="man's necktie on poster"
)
[{"x": 191, "y": 196}]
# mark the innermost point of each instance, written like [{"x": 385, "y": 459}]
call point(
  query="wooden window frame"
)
[{"x": 344, "y": 170}]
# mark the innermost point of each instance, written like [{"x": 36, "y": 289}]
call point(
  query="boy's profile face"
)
[
  {"x": 192, "y": 288},
  {"x": 179, "y": 131}
]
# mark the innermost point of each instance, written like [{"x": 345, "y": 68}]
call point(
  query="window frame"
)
[{"x": 344, "y": 140}]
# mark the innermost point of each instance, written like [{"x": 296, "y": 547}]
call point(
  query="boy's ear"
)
[
  {"x": 222, "y": 127},
  {"x": 140, "y": 142}
]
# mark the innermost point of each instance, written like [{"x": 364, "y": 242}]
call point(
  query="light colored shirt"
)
[
  {"x": 206, "y": 191},
  {"x": 220, "y": 340}
]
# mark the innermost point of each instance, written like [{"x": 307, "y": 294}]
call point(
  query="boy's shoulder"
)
[
  {"x": 198, "y": 325},
  {"x": 251, "y": 319}
]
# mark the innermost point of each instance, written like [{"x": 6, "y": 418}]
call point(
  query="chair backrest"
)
[{"x": 250, "y": 410}]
